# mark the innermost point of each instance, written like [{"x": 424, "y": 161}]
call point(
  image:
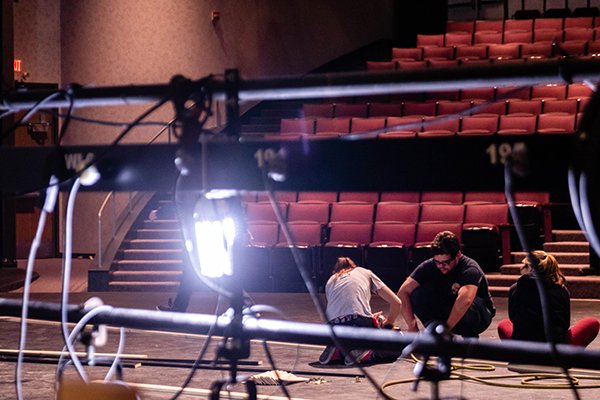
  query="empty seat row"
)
[
  {"x": 466, "y": 54},
  {"x": 406, "y": 197},
  {"x": 391, "y": 249},
  {"x": 454, "y": 39},
  {"x": 522, "y": 24},
  {"x": 324, "y": 213},
  {"x": 411, "y": 126},
  {"x": 546, "y": 99}
]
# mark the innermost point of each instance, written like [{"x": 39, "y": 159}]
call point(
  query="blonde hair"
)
[
  {"x": 547, "y": 266},
  {"x": 343, "y": 265}
]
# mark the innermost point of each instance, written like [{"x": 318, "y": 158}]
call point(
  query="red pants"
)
[{"x": 580, "y": 334}]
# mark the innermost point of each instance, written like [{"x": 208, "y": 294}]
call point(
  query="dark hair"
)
[{"x": 445, "y": 242}]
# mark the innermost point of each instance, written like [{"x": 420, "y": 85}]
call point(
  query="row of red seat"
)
[
  {"x": 458, "y": 39},
  {"x": 390, "y": 233},
  {"x": 411, "y": 126},
  {"x": 453, "y": 197},
  {"x": 547, "y": 99},
  {"x": 409, "y": 65},
  {"x": 386, "y": 247},
  {"x": 447, "y": 57},
  {"x": 324, "y": 213},
  {"x": 522, "y": 24},
  {"x": 389, "y": 248}
]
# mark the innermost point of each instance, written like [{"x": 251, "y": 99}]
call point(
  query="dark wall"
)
[{"x": 414, "y": 17}]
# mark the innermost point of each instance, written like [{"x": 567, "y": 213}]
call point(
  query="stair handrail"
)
[{"x": 116, "y": 221}]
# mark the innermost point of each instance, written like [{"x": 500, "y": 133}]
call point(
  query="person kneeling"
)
[{"x": 348, "y": 292}]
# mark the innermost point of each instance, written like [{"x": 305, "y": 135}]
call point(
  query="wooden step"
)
[
  {"x": 566, "y": 246},
  {"x": 143, "y": 286},
  {"x": 566, "y": 269},
  {"x": 161, "y": 224},
  {"x": 580, "y": 287},
  {"x": 153, "y": 244},
  {"x": 501, "y": 279},
  {"x": 155, "y": 254},
  {"x": 147, "y": 265},
  {"x": 158, "y": 233},
  {"x": 561, "y": 257},
  {"x": 145, "y": 276},
  {"x": 499, "y": 291},
  {"x": 562, "y": 235}
]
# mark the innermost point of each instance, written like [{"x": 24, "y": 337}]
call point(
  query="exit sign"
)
[{"x": 17, "y": 65}]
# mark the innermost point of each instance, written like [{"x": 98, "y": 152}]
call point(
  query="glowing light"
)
[{"x": 214, "y": 241}]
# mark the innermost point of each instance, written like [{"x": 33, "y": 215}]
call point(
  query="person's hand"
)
[{"x": 380, "y": 318}]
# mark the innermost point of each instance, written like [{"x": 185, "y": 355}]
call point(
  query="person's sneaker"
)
[
  {"x": 357, "y": 357},
  {"x": 331, "y": 353},
  {"x": 168, "y": 307}
]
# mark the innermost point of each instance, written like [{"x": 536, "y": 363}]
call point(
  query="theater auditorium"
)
[{"x": 179, "y": 179}]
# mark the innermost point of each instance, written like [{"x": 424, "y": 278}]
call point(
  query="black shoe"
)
[
  {"x": 357, "y": 357},
  {"x": 168, "y": 307},
  {"x": 331, "y": 353}
]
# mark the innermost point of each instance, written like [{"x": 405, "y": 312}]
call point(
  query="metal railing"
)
[{"x": 111, "y": 198}]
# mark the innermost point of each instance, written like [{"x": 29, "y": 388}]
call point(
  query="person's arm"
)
[
  {"x": 466, "y": 295},
  {"x": 404, "y": 293},
  {"x": 394, "y": 302}
]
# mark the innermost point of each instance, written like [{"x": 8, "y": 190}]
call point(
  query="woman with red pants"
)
[{"x": 525, "y": 311}]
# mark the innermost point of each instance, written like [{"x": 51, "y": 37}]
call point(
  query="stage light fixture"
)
[{"x": 216, "y": 231}]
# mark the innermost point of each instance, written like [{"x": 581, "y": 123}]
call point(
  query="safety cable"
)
[
  {"x": 66, "y": 272},
  {"x": 49, "y": 203}
]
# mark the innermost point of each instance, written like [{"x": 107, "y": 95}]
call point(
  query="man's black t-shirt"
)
[{"x": 446, "y": 286}]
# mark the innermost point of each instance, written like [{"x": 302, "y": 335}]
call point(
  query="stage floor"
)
[{"x": 333, "y": 382}]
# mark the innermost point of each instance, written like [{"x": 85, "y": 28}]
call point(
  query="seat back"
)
[
  {"x": 397, "y": 211},
  {"x": 309, "y": 211},
  {"x": 394, "y": 232},
  {"x": 350, "y": 211},
  {"x": 442, "y": 212}
]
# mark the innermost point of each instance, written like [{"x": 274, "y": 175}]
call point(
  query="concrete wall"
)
[{"x": 115, "y": 42}]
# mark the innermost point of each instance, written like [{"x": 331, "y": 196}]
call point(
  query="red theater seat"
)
[
  {"x": 315, "y": 211},
  {"x": 397, "y": 211},
  {"x": 442, "y": 213}
]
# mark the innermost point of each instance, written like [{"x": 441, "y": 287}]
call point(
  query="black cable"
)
[
  {"x": 201, "y": 354},
  {"x": 63, "y": 129},
  {"x": 100, "y": 121},
  {"x": 28, "y": 114},
  {"x": 508, "y": 192},
  {"x": 107, "y": 150}
]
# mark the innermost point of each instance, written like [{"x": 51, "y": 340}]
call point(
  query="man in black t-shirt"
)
[{"x": 449, "y": 288}]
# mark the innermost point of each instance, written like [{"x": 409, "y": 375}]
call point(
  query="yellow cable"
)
[{"x": 527, "y": 380}]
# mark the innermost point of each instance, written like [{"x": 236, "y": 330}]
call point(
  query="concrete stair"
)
[
  {"x": 151, "y": 258},
  {"x": 572, "y": 253}
]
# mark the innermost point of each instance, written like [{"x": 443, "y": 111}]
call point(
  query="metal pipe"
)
[
  {"x": 100, "y": 212},
  {"x": 310, "y": 333},
  {"x": 328, "y": 85}
]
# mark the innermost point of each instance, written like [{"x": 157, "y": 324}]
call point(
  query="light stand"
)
[
  {"x": 214, "y": 240},
  {"x": 434, "y": 375}
]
